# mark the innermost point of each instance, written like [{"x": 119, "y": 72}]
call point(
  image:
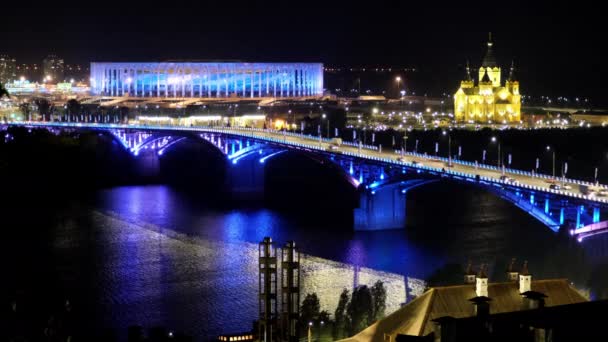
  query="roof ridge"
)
[
  {"x": 497, "y": 283},
  {"x": 428, "y": 311}
]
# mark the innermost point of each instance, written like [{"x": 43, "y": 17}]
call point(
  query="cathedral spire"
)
[
  {"x": 488, "y": 59},
  {"x": 512, "y": 71},
  {"x": 468, "y": 75}
]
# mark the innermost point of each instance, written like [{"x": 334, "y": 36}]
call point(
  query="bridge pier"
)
[
  {"x": 245, "y": 178},
  {"x": 148, "y": 165},
  {"x": 382, "y": 205},
  {"x": 381, "y": 209}
]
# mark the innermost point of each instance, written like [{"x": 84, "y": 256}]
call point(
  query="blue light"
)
[
  {"x": 235, "y": 160},
  {"x": 350, "y": 170},
  {"x": 271, "y": 155},
  {"x": 561, "y": 216},
  {"x": 208, "y": 79},
  {"x": 596, "y": 215},
  {"x": 532, "y": 199},
  {"x": 374, "y": 185},
  {"x": 546, "y": 206}
]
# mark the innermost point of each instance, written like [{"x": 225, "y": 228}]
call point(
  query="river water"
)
[{"x": 154, "y": 255}]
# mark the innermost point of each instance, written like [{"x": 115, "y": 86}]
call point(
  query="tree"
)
[
  {"x": 359, "y": 309},
  {"x": 3, "y": 91},
  {"x": 44, "y": 107},
  {"x": 25, "y": 109},
  {"x": 310, "y": 308},
  {"x": 73, "y": 107},
  {"x": 379, "y": 300},
  {"x": 340, "y": 315},
  {"x": 324, "y": 316},
  {"x": 124, "y": 114}
]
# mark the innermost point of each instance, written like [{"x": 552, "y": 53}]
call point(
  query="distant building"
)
[
  {"x": 208, "y": 79},
  {"x": 31, "y": 72},
  {"x": 8, "y": 69},
  {"x": 53, "y": 69},
  {"x": 430, "y": 316},
  {"x": 489, "y": 100}
]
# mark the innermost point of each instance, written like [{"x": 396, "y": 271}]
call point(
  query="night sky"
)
[{"x": 558, "y": 47}]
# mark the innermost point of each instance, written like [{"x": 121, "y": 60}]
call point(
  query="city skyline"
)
[{"x": 554, "y": 46}]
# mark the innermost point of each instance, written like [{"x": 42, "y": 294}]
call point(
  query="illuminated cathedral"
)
[{"x": 489, "y": 101}]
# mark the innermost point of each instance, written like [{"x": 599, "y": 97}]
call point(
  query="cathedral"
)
[{"x": 488, "y": 101}]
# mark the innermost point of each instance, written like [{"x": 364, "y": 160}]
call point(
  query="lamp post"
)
[
  {"x": 449, "y": 148},
  {"x": 309, "y": 331},
  {"x": 595, "y": 177},
  {"x": 398, "y": 80},
  {"x": 325, "y": 117},
  {"x": 553, "y": 153},
  {"x": 499, "y": 157},
  {"x": 321, "y": 324}
]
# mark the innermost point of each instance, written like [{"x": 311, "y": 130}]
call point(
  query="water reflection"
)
[{"x": 155, "y": 256}]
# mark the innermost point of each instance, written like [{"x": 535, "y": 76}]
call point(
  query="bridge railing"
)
[
  {"x": 250, "y": 132},
  {"x": 507, "y": 170}
]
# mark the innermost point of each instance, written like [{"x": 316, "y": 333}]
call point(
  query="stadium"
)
[{"x": 207, "y": 80}]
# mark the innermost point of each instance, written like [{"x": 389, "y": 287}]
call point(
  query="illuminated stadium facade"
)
[{"x": 207, "y": 80}]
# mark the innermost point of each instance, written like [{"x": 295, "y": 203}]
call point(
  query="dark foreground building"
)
[{"x": 517, "y": 310}]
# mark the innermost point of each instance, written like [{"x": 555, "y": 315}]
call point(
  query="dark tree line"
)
[{"x": 353, "y": 313}]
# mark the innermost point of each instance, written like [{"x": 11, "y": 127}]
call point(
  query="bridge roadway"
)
[{"x": 460, "y": 169}]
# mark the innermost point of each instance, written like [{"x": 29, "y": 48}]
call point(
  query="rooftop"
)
[{"x": 415, "y": 317}]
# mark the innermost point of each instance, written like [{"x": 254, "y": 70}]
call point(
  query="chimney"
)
[
  {"x": 481, "y": 282},
  {"x": 482, "y": 306},
  {"x": 512, "y": 274},
  {"x": 534, "y": 300},
  {"x": 469, "y": 274},
  {"x": 525, "y": 279}
]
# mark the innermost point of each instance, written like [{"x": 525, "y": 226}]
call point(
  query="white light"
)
[
  {"x": 254, "y": 116},
  {"x": 206, "y": 117}
]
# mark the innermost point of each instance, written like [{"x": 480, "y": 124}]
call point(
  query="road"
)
[{"x": 524, "y": 179}]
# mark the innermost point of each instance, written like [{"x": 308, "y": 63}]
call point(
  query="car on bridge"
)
[
  {"x": 508, "y": 179},
  {"x": 555, "y": 186},
  {"x": 416, "y": 163},
  {"x": 566, "y": 186}
]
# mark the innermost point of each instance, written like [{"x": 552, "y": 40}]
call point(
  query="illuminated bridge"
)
[{"x": 382, "y": 178}]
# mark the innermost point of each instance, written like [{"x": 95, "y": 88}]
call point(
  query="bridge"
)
[{"x": 382, "y": 177}]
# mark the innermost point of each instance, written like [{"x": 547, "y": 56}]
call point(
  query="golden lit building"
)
[{"x": 489, "y": 101}]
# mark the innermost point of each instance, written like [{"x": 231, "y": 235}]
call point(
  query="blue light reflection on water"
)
[{"x": 161, "y": 257}]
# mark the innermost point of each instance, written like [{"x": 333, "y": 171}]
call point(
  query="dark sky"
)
[{"x": 557, "y": 46}]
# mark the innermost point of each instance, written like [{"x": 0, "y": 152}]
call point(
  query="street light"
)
[
  {"x": 322, "y": 323},
  {"x": 398, "y": 80},
  {"x": 309, "y": 331},
  {"x": 324, "y": 116},
  {"x": 499, "y": 161},
  {"x": 449, "y": 148},
  {"x": 553, "y": 152}
]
